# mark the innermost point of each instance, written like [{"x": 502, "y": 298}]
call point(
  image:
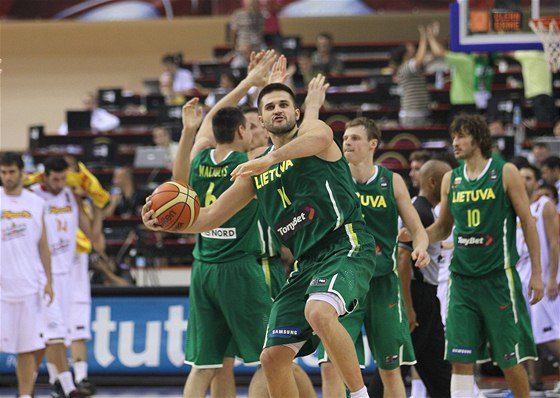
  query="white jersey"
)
[
  {"x": 21, "y": 268},
  {"x": 61, "y": 220},
  {"x": 524, "y": 262}
]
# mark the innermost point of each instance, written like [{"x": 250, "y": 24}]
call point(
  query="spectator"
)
[
  {"x": 539, "y": 153},
  {"x": 271, "y": 30},
  {"x": 246, "y": 26},
  {"x": 175, "y": 82},
  {"x": 162, "y": 139},
  {"x": 551, "y": 173},
  {"x": 417, "y": 159},
  {"x": 101, "y": 120},
  {"x": 471, "y": 75},
  {"x": 408, "y": 66},
  {"x": 324, "y": 59},
  {"x": 126, "y": 200},
  {"x": 227, "y": 83},
  {"x": 303, "y": 72}
]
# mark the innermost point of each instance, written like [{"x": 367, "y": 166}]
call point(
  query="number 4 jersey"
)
[{"x": 484, "y": 234}]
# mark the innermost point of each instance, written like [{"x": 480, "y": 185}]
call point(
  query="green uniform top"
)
[
  {"x": 484, "y": 234},
  {"x": 304, "y": 199},
  {"x": 381, "y": 216},
  {"x": 270, "y": 245},
  {"x": 237, "y": 237},
  {"x": 470, "y": 74}
]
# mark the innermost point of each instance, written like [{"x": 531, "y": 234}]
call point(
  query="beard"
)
[{"x": 282, "y": 129}]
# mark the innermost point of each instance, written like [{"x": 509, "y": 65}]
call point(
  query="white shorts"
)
[
  {"x": 545, "y": 320},
  {"x": 442, "y": 296},
  {"x": 57, "y": 314},
  {"x": 80, "y": 318},
  {"x": 21, "y": 325}
]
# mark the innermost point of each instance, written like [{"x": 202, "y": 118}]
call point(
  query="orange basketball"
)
[{"x": 175, "y": 205}]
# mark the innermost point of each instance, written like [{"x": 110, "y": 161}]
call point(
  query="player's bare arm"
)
[
  {"x": 515, "y": 190},
  {"x": 228, "y": 204},
  {"x": 45, "y": 254},
  {"x": 192, "y": 117},
  {"x": 412, "y": 221},
  {"x": 551, "y": 227},
  {"x": 443, "y": 225},
  {"x": 405, "y": 275}
]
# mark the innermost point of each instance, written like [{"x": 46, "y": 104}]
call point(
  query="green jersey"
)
[
  {"x": 381, "y": 216},
  {"x": 305, "y": 199},
  {"x": 270, "y": 245},
  {"x": 484, "y": 234},
  {"x": 237, "y": 237}
]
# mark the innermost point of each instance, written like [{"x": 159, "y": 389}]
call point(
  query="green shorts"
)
[
  {"x": 335, "y": 266},
  {"x": 274, "y": 274},
  {"x": 383, "y": 314},
  {"x": 229, "y": 304},
  {"x": 488, "y": 309}
]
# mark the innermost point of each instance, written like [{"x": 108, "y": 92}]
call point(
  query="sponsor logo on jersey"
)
[
  {"x": 13, "y": 231},
  {"x": 272, "y": 174},
  {"x": 221, "y": 233},
  {"x": 62, "y": 246},
  {"x": 60, "y": 210},
  {"x": 284, "y": 332},
  {"x": 390, "y": 358},
  {"x": 318, "y": 282},
  {"x": 288, "y": 226},
  {"x": 475, "y": 240},
  {"x": 6, "y": 214},
  {"x": 493, "y": 175},
  {"x": 473, "y": 195},
  {"x": 212, "y": 171},
  {"x": 456, "y": 182},
  {"x": 383, "y": 183},
  {"x": 461, "y": 351}
]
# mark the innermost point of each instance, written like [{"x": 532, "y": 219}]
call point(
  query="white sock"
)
[
  {"x": 24, "y": 396},
  {"x": 66, "y": 382},
  {"x": 418, "y": 389},
  {"x": 53, "y": 372},
  {"x": 80, "y": 371},
  {"x": 361, "y": 393},
  {"x": 462, "y": 386},
  {"x": 476, "y": 390}
]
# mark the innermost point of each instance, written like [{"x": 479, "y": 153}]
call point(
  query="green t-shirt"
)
[
  {"x": 381, "y": 216},
  {"x": 305, "y": 199},
  {"x": 485, "y": 227},
  {"x": 237, "y": 237},
  {"x": 537, "y": 79}
]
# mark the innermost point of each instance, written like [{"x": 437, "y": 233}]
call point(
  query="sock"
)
[
  {"x": 476, "y": 390},
  {"x": 80, "y": 371},
  {"x": 361, "y": 393},
  {"x": 66, "y": 382},
  {"x": 53, "y": 372},
  {"x": 462, "y": 386},
  {"x": 24, "y": 396},
  {"x": 418, "y": 389}
]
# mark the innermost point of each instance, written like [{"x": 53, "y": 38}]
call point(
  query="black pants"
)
[{"x": 428, "y": 340}]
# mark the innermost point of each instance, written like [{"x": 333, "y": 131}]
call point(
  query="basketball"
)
[{"x": 175, "y": 205}]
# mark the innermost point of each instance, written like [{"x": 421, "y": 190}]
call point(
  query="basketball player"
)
[
  {"x": 481, "y": 199},
  {"x": 308, "y": 196},
  {"x": 62, "y": 219},
  {"x": 226, "y": 275},
  {"x": 383, "y": 196},
  {"x": 545, "y": 315},
  {"x": 24, "y": 258}
]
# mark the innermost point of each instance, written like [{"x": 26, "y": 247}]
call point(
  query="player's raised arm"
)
[
  {"x": 192, "y": 116},
  {"x": 515, "y": 190},
  {"x": 228, "y": 204}
]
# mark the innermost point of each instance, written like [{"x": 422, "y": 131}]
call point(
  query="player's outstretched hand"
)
[
  {"x": 147, "y": 213},
  {"x": 279, "y": 73},
  {"x": 192, "y": 115},
  {"x": 316, "y": 92},
  {"x": 536, "y": 288},
  {"x": 251, "y": 168},
  {"x": 48, "y": 292},
  {"x": 258, "y": 75},
  {"x": 421, "y": 257}
]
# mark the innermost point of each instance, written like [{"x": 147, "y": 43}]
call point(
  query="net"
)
[{"x": 546, "y": 28}]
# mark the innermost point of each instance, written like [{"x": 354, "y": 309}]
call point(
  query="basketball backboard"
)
[{"x": 497, "y": 25}]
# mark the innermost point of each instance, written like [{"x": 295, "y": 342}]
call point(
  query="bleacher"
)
[{"x": 356, "y": 92}]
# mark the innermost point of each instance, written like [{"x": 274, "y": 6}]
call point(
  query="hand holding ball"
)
[{"x": 175, "y": 205}]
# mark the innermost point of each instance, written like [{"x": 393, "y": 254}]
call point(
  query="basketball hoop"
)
[{"x": 547, "y": 29}]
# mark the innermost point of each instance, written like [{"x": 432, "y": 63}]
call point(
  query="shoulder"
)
[
  {"x": 258, "y": 152},
  {"x": 425, "y": 210}
]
